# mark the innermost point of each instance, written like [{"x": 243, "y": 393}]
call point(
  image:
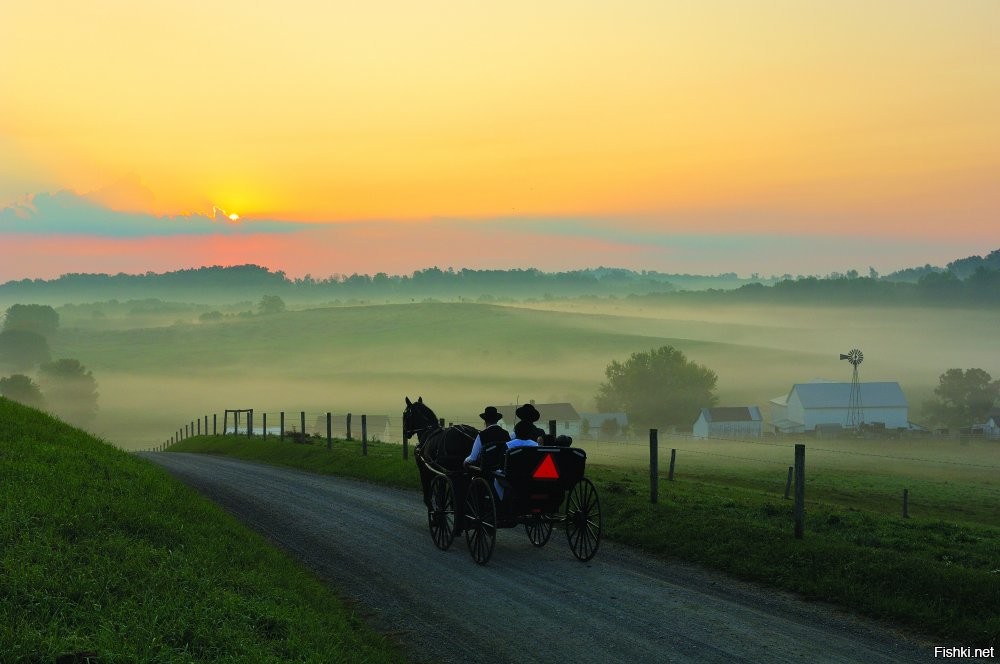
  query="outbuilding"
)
[{"x": 729, "y": 422}]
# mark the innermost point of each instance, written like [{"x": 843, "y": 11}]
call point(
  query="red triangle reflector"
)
[{"x": 546, "y": 469}]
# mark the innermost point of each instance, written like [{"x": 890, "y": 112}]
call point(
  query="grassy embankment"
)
[
  {"x": 936, "y": 577},
  {"x": 102, "y": 553}
]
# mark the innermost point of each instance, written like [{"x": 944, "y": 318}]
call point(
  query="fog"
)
[{"x": 156, "y": 374}]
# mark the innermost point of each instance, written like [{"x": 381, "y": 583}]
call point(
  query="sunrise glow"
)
[{"x": 779, "y": 119}]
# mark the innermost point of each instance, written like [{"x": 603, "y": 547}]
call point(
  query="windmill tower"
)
[{"x": 855, "y": 412}]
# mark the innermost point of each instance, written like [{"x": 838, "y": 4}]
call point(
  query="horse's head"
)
[{"x": 418, "y": 417}]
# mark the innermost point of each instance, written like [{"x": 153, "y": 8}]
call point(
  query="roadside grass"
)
[
  {"x": 936, "y": 577},
  {"x": 104, "y": 555}
]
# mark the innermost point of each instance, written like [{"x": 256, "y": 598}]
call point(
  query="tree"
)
[
  {"x": 39, "y": 318},
  {"x": 22, "y": 349},
  {"x": 964, "y": 398},
  {"x": 657, "y": 387},
  {"x": 70, "y": 390},
  {"x": 22, "y": 389},
  {"x": 271, "y": 304},
  {"x": 610, "y": 428}
]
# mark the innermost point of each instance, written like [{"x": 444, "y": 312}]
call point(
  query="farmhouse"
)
[
  {"x": 729, "y": 422},
  {"x": 567, "y": 419},
  {"x": 824, "y": 405}
]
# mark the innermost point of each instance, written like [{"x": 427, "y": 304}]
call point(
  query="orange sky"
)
[{"x": 783, "y": 117}]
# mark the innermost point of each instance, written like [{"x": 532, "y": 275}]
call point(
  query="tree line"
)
[
  {"x": 64, "y": 386},
  {"x": 969, "y": 281}
]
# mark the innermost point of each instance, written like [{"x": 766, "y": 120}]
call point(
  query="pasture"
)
[{"x": 157, "y": 371}]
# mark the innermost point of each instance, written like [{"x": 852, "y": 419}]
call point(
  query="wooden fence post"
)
[
  {"x": 788, "y": 483},
  {"x": 250, "y": 423},
  {"x": 552, "y": 429},
  {"x": 199, "y": 426},
  {"x": 302, "y": 422},
  {"x": 263, "y": 424},
  {"x": 800, "y": 490},
  {"x": 673, "y": 458},
  {"x": 206, "y": 425},
  {"x": 906, "y": 503},
  {"x": 281, "y": 425},
  {"x": 441, "y": 422},
  {"x": 654, "y": 467},
  {"x": 349, "y": 437},
  {"x": 215, "y": 424},
  {"x": 364, "y": 435},
  {"x": 329, "y": 431}
]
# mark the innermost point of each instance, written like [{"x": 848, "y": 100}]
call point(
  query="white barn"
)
[
  {"x": 822, "y": 403},
  {"x": 729, "y": 422}
]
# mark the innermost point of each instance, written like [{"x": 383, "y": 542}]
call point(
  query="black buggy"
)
[{"x": 540, "y": 487}]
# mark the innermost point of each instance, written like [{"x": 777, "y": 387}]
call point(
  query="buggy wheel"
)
[
  {"x": 480, "y": 520},
  {"x": 583, "y": 520},
  {"x": 441, "y": 513},
  {"x": 539, "y": 529}
]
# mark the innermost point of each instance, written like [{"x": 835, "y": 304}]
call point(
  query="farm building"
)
[
  {"x": 603, "y": 425},
  {"x": 729, "y": 422},
  {"x": 567, "y": 419},
  {"x": 824, "y": 405}
]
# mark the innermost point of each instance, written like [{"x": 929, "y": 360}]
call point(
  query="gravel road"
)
[{"x": 527, "y": 604}]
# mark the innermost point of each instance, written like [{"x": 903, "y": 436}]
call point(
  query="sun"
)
[{"x": 234, "y": 216}]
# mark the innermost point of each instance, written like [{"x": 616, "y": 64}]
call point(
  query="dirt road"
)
[{"x": 527, "y": 604}]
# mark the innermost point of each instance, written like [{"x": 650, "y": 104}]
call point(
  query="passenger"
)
[
  {"x": 490, "y": 438},
  {"x": 528, "y": 413},
  {"x": 491, "y": 433},
  {"x": 523, "y": 431}
]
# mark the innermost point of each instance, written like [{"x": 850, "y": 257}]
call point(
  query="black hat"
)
[
  {"x": 491, "y": 415},
  {"x": 528, "y": 412}
]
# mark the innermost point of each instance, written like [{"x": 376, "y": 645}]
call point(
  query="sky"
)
[{"x": 787, "y": 136}]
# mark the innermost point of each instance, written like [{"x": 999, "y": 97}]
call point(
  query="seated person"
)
[
  {"x": 523, "y": 431},
  {"x": 491, "y": 433}
]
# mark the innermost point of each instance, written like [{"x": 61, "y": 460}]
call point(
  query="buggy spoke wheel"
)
[
  {"x": 441, "y": 513},
  {"x": 539, "y": 529},
  {"x": 583, "y": 520},
  {"x": 480, "y": 520}
]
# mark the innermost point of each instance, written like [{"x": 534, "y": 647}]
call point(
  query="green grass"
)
[
  {"x": 103, "y": 553},
  {"x": 939, "y": 578}
]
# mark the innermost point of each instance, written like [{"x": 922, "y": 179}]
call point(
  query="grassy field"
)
[
  {"x": 459, "y": 356},
  {"x": 103, "y": 555},
  {"x": 935, "y": 576}
]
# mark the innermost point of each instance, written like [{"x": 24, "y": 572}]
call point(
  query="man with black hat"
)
[
  {"x": 492, "y": 437},
  {"x": 528, "y": 413},
  {"x": 487, "y": 452}
]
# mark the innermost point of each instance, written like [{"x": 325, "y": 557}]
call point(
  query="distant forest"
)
[{"x": 974, "y": 280}]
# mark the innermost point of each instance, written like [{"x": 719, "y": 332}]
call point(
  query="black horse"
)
[{"x": 444, "y": 447}]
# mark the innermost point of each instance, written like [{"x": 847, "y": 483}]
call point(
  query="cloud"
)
[{"x": 68, "y": 213}]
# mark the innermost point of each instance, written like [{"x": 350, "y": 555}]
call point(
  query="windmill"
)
[{"x": 855, "y": 413}]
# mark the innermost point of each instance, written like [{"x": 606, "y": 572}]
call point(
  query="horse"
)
[{"x": 445, "y": 447}]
